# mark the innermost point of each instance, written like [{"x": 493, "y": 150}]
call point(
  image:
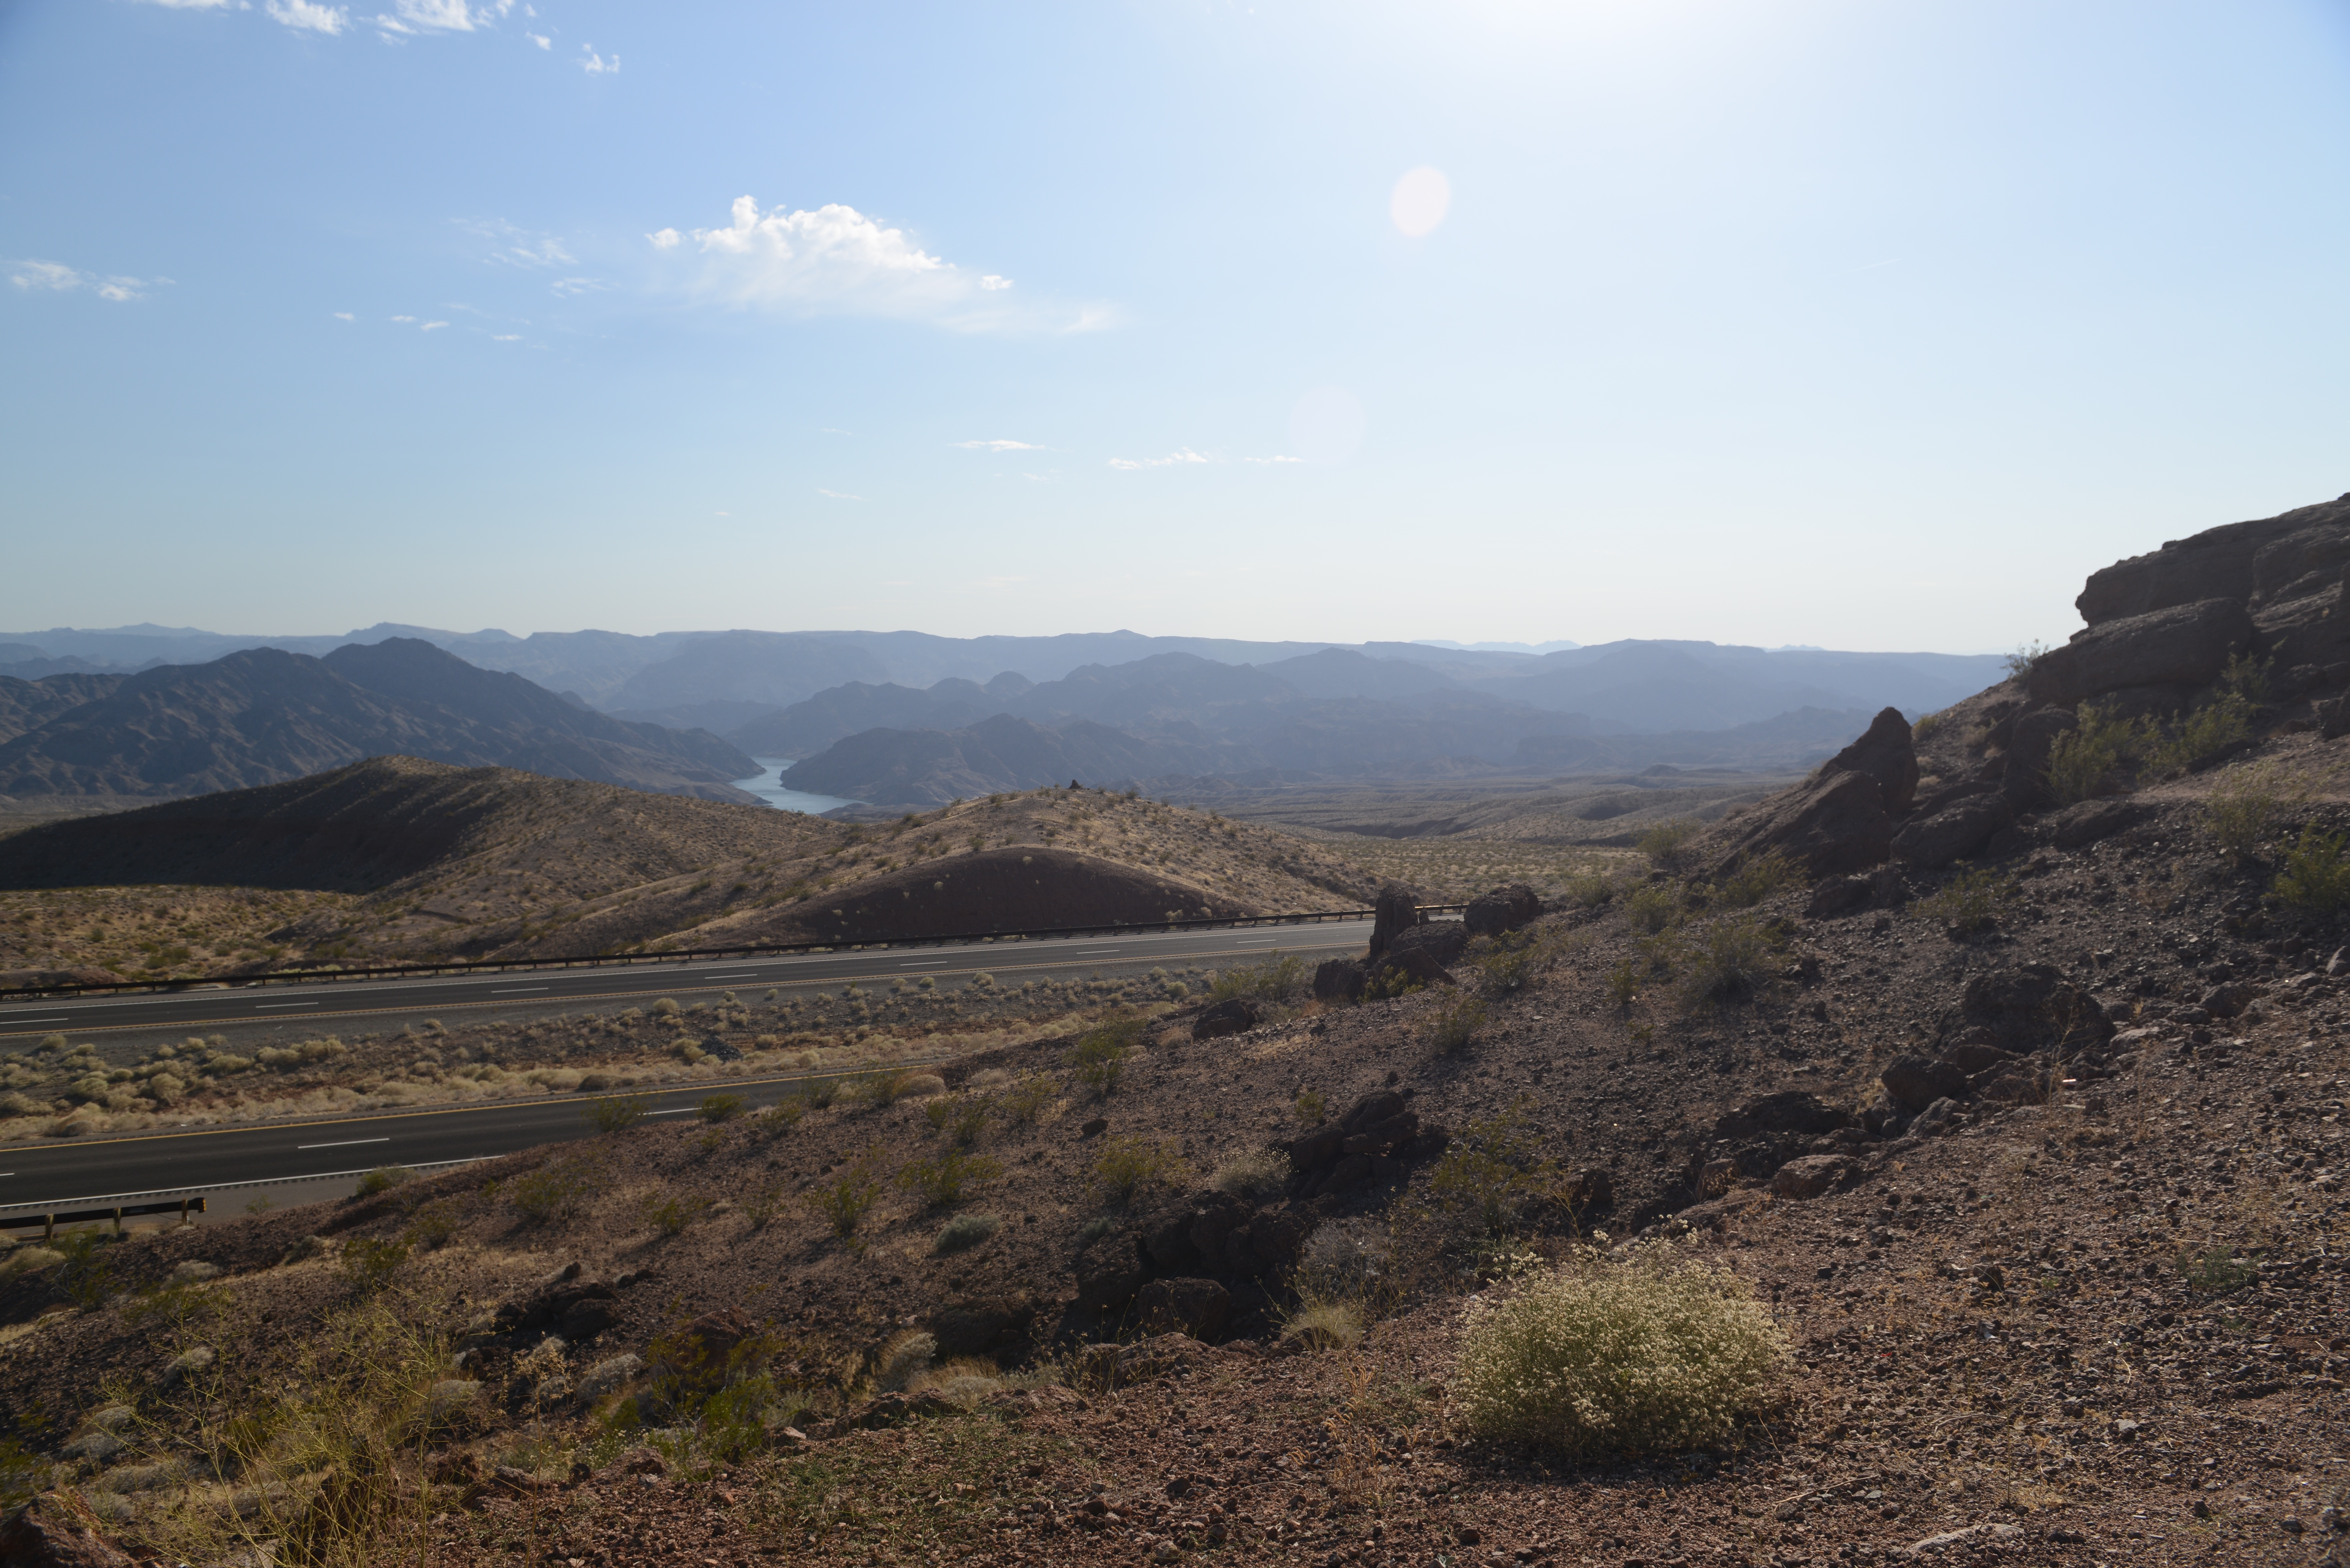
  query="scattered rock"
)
[
  {"x": 2092, "y": 820},
  {"x": 194, "y": 1272},
  {"x": 1234, "y": 1016},
  {"x": 1915, "y": 1082},
  {"x": 2226, "y": 1001},
  {"x": 188, "y": 1363},
  {"x": 1842, "y": 895},
  {"x": 1790, "y": 1111},
  {"x": 1953, "y": 833},
  {"x": 1503, "y": 910},
  {"x": 1949, "y": 1538}
]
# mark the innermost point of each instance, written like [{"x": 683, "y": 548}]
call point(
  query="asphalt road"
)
[
  {"x": 153, "y": 1165},
  {"x": 431, "y": 996}
]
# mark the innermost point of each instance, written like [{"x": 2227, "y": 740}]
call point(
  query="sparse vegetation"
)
[
  {"x": 942, "y": 1180},
  {"x": 1653, "y": 906},
  {"x": 715, "y": 1109},
  {"x": 2083, "y": 760},
  {"x": 1310, "y": 1107},
  {"x": 2316, "y": 876},
  {"x": 1456, "y": 1023},
  {"x": 615, "y": 1113},
  {"x": 1668, "y": 846},
  {"x": 1259, "y": 1175},
  {"x": 383, "y": 1179},
  {"x": 1281, "y": 978},
  {"x": 1126, "y": 1165},
  {"x": 1970, "y": 902},
  {"x": 1757, "y": 879},
  {"x": 1639, "y": 1353},
  {"x": 845, "y": 1201},
  {"x": 553, "y": 1192},
  {"x": 964, "y": 1231},
  {"x": 1101, "y": 1053},
  {"x": 1729, "y": 962},
  {"x": 2245, "y": 807}
]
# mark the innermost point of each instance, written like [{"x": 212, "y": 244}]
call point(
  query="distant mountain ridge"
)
[{"x": 263, "y": 716}]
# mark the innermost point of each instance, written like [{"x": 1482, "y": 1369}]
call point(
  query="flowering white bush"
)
[{"x": 1642, "y": 1351}]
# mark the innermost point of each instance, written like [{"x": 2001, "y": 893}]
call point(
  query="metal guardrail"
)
[
  {"x": 686, "y": 955},
  {"x": 51, "y": 1218}
]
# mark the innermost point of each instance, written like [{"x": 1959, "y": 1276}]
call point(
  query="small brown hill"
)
[{"x": 396, "y": 858}]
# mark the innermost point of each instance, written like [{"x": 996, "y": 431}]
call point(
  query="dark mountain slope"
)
[
  {"x": 28, "y": 704},
  {"x": 805, "y": 728},
  {"x": 262, "y": 716}
]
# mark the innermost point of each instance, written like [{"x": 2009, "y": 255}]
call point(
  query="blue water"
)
[{"x": 764, "y": 786}]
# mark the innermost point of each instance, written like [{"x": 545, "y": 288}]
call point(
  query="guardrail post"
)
[
  {"x": 117, "y": 1224},
  {"x": 49, "y": 1230}
]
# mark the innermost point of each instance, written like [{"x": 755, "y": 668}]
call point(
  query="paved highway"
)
[
  {"x": 430, "y": 996},
  {"x": 132, "y": 1169}
]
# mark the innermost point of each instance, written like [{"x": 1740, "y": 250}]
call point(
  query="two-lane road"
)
[{"x": 205, "y": 1159}]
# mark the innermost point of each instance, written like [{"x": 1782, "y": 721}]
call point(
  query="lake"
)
[{"x": 763, "y": 784}]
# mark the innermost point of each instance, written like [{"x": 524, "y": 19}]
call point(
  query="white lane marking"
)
[
  {"x": 734, "y": 974},
  {"x": 519, "y": 990},
  {"x": 1086, "y": 952},
  {"x": 346, "y": 1143},
  {"x": 269, "y": 1006},
  {"x": 61, "y": 1018},
  {"x": 680, "y": 1111}
]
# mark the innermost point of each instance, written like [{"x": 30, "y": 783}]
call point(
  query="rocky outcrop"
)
[
  {"x": 1838, "y": 821},
  {"x": 1501, "y": 910},
  {"x": 1442, "y": 940},
  {"x": 2031, "y": 741},
  {"x": 1395, "y": 912},
  {"x": 1340, "y": 980},
  {"x": 1953, "y": 833},
  {"x": 1366, "y": 1145},
  {"x": 51, "y": 1531},
  {"x": 2181, "y": 647},
  {"x": 1193, "y": 1307},
  {"x": 2028, "y": 1008}
]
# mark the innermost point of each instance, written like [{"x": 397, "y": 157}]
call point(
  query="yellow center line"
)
[{"x": 619, "y": 995}]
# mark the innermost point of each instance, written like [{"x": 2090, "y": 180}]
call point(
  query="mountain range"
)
[{"x": 260, "y": 716}]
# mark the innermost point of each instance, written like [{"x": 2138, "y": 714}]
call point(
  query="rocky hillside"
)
[
  {"x": 263, "y": 716},
  {"x": 2032, "y": 1149}
]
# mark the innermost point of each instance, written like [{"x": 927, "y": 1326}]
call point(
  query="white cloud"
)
[
  {"x": 60, "y": 278},
  {"x": 507, "y": 338},
  {"x": 997, "y": 446},
  {"x": 839, "y": 495},
  {"x": 721, "y": 514},
  {"x": 194, "y": 5},
  {"x": 302, "y": 15},
  {"x": 594, "y": 65},
  {"x": 1180, "y": 455},
  {"x": 541, "y": 39},
  {"x": 579, "y": 286},
  {"x": 1273, "y": 460},
  {"x": 403, "y": 318},
  {"x": 344, "y": 315},
  {"x": 512, "y": 246},
  {"x": 432, "y": 327},
  {"x": 834, "y": 260},
  {"x": 442, "y": 15}
]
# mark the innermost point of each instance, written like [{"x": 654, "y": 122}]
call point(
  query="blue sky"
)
[{"x": 1857, "y": 325}]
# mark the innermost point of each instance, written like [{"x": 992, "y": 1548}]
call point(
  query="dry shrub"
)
[
  {"x": 1126, "y": 1165},
  {"x": 1640, "y": 1352},
  {"x": 1260, "y": 1175},
  {"x": 1456, "y": 1025}
]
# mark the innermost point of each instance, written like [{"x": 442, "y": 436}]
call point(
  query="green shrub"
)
[
  {"x": 1623, "y": 984},
  {"x": 942, "y": 1180},
  {"x": 2084, "y": 760},
  {"x": 2246, "y": 676},
  {"x": 1668, "y": 846},
  {"x": 1457, "y": 1023},
  {"x": 1508, "y": 964},
  {"x": 1926, "y": 724},
  {"x": 844, "y": 1201},
  {"x": 1258, "y": 1175},
  {"x": 763, "y": 1205},
  {"x": 1490, "y": 1171},
  {"x": 2026, "y": 655},
  {"x": 87, "y": 1276},
  {"x": 368, "y": 1262},
  {"x": 783, "y": 1115},
  {"x": 1126, "y": 1165},
  {"x": 2245, "y": 806},
  {"x": 1653, "y": 906},
  {"x": 1643, "y": 1353},
  {"x": 433, "y": 1226},
  {"x": 554, "y": 1191},
  {"x": 2315, "y": 877},
  {"x": 2216, "y": 1271},
  {"x": 1025, "y": 1101},
  {"x": 383, "y": 1179},
  {"x": 962, "y": 1117},
  {"x": 964, "y": 1231},
  {"x": 2202, "y": 734},
  {"x": 1310, "y": 1107},
  {"x": 1102, "y": 1051},
  {"x": 1759, "y": 879},
  {"x": 1280, "y": 978},
  {"x": 1729, "y": 961},
  {"x": 1969, "y": 902},
  {"x": 1591, "y": 890},
  {"x": 670, "y": 1212},
  {"x": 715, "y": 1109},
  {"x": 821, "y": 1094},
  {"x": 616, "y": 1112}
]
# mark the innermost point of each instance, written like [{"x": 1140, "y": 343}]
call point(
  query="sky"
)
[{"x": 1760, "y": 321}]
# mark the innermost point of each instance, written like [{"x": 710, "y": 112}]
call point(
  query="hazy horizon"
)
[{"x": 1795, "y": 322}]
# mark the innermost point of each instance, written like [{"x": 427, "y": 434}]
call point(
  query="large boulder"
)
[
  {"x": 1789, "y": 1111},
  {"x": 2183, "y": 645},
  {"x": 1234, "y": 1015},
  {"x": 1502, "y": 909},
  {"x": 1952, "y": 833},
  {"x": 1442, "y": 940},
  {"x": 2032, "y": 1007},
  {"x": 1914, "y": 1081},
  {"x": 1340, "y": 980},
  {"x": 1395, "y": 911},
  {"x": 2023, "y": 779},
  {"x": 58, "y": 1532},
  {"x": 1840, "y": 820},
  {"x": 1109, "y": 1271},
  {"x": 1887, "y": 753}
]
